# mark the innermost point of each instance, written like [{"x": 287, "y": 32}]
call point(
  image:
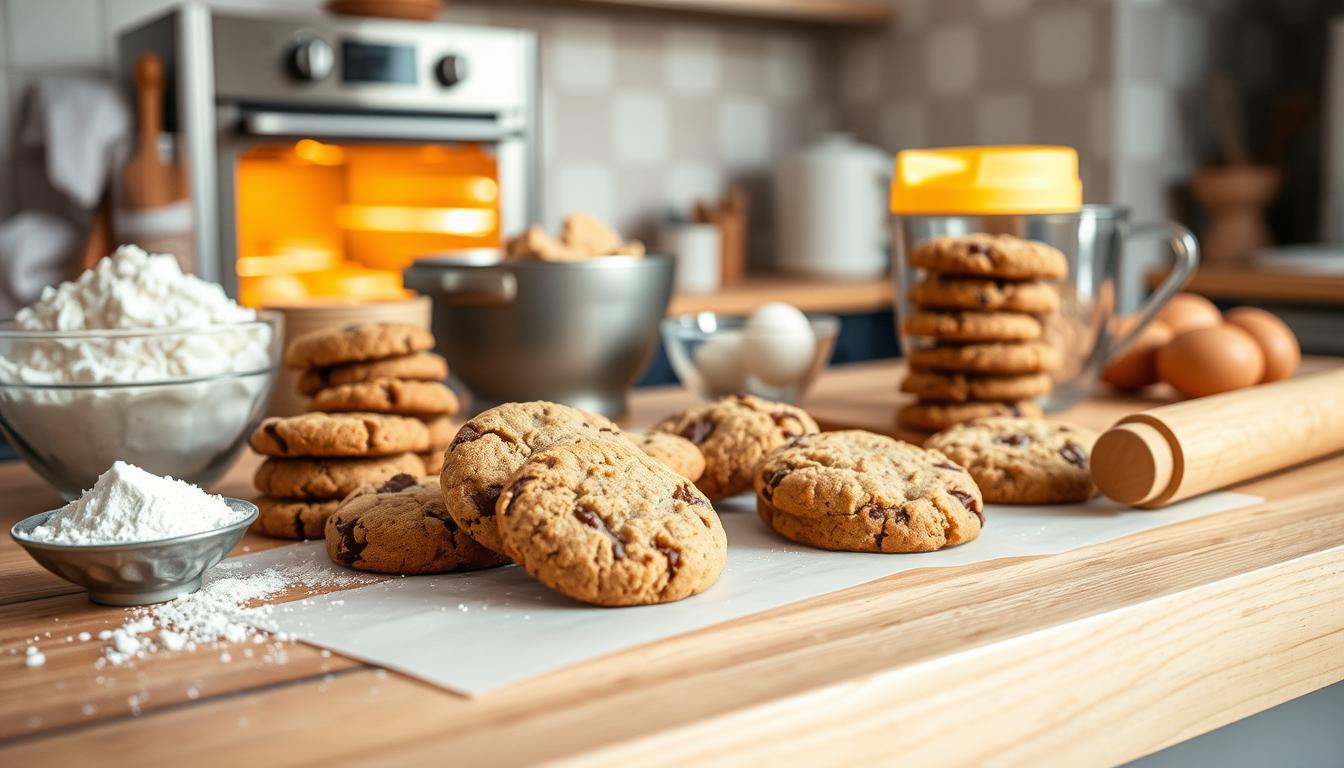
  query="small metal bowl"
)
[{"x": 140, "y": 573}]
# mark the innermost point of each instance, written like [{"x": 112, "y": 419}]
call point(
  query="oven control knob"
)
[
  {"x": 311, "y": 59},
  {"x": 450, "y": 70}
]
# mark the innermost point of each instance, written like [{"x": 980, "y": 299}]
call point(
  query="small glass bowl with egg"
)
[{"x": 774, "y": 353}]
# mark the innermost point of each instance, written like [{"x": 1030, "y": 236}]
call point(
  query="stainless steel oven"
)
[{"x": 324, "y": 154}]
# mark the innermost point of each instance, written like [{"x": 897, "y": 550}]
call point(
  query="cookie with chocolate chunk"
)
[
  {"x": 973, "y": 326},
  {"x": 603, "y": 522},
  {"x": 356, "y": 343},
  {"x": 419, "y": 398},
  {"x": 931, "y": 417},
  {"x": 400, "y": 526},
  {"x": 292, "y": 518},
  {"x": 993, "y": 358},
  {"x": 734, "y": 434},
  {"x": 1022, "y": 461},
  {"x": 863, "y": 492},
  {"x": 948, "y": 387},
  {"x": 672, "y": 451},
  {"x": 421, "y": 366},
  {"x": 489, "y": 448},
  {"x": 979, "y": 254},
  {"x": 330, "y": 478},
  {"x": 339, "y": 434},
  {"x": 947, "y": 292}
]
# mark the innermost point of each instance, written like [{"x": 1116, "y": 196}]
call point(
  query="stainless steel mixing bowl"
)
[
  {"x": 577, "y": 333},
  {"x": 141, "y": 572}
]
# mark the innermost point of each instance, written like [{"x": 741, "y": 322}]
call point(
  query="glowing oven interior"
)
[{"x": 320, "y": 221}]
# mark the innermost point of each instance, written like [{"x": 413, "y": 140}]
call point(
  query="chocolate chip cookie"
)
[
  {"x": 339, "y": 434},
  {"x": 330, "y": 478},
  {"x": 603, "y": 522},
  {"x": 862, "y": 492},
  {"x": 1022, "y": 461},
  {"x": 356, "y": 343},
  {"x": 293, "y": 518},
  {"x": 489, "y": 448},
  {"x": 734, "y": 434},
  {"x": 1002, "y": 256},
  {"x": 1029, "y": 357},
  {"x": 400, "y": 526},
  {"x": 944, "y": 387},
  {"x": 973, "y": 326},
  {"x": 422, "y": 366},
  {"x": 945, "y": 292},
  {"x": 672, "y": 451},
  {"x": 931, "y": 417},
  {"x": 420, "y": 398}
]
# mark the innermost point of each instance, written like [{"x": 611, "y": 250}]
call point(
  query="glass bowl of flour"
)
[{"x": 135, "y": 361}]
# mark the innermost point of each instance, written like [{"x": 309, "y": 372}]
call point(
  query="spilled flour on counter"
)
[
  {"x": 128, "y": 504},
  {"x": 222, "y": 611}
]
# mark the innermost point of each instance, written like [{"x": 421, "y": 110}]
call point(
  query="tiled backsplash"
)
[
  {"x": 641, "y": 110},
  {"x": 645, "y": 110}
]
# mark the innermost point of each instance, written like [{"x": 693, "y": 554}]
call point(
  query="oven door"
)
[{"x": 317, "y": 205}]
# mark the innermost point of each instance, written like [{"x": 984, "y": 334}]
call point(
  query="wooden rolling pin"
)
[{"x": 1159, "y": 456}]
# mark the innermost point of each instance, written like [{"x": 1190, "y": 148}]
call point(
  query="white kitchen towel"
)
[
  {"x": 79, "y": 122},
  {"x": 479, "y": 631}
]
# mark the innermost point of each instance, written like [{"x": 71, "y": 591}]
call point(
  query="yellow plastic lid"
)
[{"x": 986, "y": 180}]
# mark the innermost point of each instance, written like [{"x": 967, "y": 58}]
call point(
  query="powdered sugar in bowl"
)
[{"x": 188, "y": 425}]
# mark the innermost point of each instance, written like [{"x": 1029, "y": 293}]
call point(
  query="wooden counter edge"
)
[{"x": 1062, "y": 695}]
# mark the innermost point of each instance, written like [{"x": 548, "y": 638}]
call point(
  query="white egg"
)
[
  {"x": 778, "y": 344},
  {"x": 719, "y": 361}
]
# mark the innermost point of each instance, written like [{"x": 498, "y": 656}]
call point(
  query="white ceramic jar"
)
[{"x": 831, "y": 210}]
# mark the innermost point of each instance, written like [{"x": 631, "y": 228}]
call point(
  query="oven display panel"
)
[{"x": 373, "y": 63}]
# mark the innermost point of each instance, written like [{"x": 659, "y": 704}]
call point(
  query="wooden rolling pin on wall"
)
[{"x": 1176, "y": 451}]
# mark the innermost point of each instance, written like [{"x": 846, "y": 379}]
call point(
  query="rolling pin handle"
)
[{"x": 1133, "y": 463}]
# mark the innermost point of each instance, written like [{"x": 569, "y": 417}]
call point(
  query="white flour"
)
[
  {"x": 128, "y": 504},
  {"x": 167, "y": 415},
  {"x": 134, "y": 290}
]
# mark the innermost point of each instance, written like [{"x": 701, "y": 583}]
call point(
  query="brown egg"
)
[
  {"x": 1188, "y": 311},
  {"x": 1206, "y": 361},
  {"x": 1276, "y": 340},
  {"x": 1136, "y": 367}
]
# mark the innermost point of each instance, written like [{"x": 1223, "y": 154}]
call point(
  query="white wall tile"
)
[
  {"x": 689, "y": 182},
  {"x": 1004, "y": 118},
  {"x": 691, "y": 61},
  {"x": 862, "y": 71},
  {"x": 1000, "y": 8},
  {"x": 581, "y": 187},
  {"x": 1185, "y": 55},
  {"x": 952, "y": 59},
  {"x": 54, "y": 34},
  {"x": 1062, "y": 46},
  {"x": 1146, "y": 113},
  {"x": 905, "y": 124},
  {"x": 578, "y": 55},
  {"x": 789, "y": 68},
  {"x": 639, "y": 124},
  {"x": 1100, "y": 119},
  {"x": 744, "y": 132}
]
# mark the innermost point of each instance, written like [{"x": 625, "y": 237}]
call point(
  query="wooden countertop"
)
[
  {"x": 1249, "y": 283},
  {"x": 838, "y": 297},
  {"x": 1097, "y": 655}
]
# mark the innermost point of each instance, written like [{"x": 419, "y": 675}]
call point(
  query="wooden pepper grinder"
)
[{"x": 1159, "y": 456}]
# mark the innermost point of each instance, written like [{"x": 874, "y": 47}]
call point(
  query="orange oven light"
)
[
  {"x": 469, "y": 222},
  {"x": 317, "y": 153}
]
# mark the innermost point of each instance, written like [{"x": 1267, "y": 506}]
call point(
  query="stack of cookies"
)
[
  {"x": 979, "y": 314},
  {"x": 315, "y": 460},
  {"x": 379, "y": 368}
]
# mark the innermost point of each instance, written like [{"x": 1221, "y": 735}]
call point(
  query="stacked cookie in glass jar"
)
[{"x": 978, "y": 316}]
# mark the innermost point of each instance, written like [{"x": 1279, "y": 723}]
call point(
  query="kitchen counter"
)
[{"x": 1097, "y": 655}]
